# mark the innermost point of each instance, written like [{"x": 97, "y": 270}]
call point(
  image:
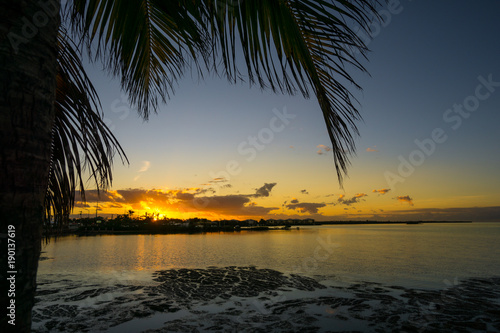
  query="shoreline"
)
[
  {"x": 252, "y": 299},
  {"x": 188, "y": 230}
]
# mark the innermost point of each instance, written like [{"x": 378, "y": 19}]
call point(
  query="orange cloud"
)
[
  {"x": 371, "y": 149},
  {"x": 322, "y": 149},
  {"x": 183, "y": 203},
  {"x": 218, "y": 180},
  {"x": 355, "y": 199},
  {"x": 382, "y": 191},
  {"x": 405, "y": 198}
]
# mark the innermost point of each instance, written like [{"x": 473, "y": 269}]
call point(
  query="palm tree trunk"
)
[{"x": 28, "y": 53}]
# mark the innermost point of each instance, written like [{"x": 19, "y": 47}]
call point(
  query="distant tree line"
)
[{"x": 151, "y": 222}]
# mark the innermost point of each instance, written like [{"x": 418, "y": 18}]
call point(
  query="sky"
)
[{"x": 428, "y": 147}]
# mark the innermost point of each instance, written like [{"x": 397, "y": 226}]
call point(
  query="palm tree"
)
[
  {"x": 78, "y": 130},
  {"x": 28, "y": 72},
  {"x": 289, "y": 46}
]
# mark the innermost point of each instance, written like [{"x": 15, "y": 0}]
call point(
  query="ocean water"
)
[
  {"x": 331, "y": 278},
  {"x": 422, "y": 256}
]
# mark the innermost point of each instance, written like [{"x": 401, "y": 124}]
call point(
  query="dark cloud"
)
[
  {"x": 194, "y": 200},
  {"x": 184, "y": 196},
  {"x": 304, "y": 192},
  {"x": 94, "y": 195},
  {"x": 349, "y": 201},
  {"x": 256, "y": 211},
  {"x": 405, "y": 198},
  {"x": 206, "y": 190},
  {"x": 294, "y": 201},
  {"x": 265, "y": 190},
  {"x": 221, "y": 203},
  {"x": 475, "y": 214},
  {"x": 134, "y": 197},
  {"x": 228, "y": 204},
  {"x": 305, "y": 207}
]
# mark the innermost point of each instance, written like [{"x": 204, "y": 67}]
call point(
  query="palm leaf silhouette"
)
[
  {"x": 81, "y": 140},
  {"x": 288, "y": 46}
]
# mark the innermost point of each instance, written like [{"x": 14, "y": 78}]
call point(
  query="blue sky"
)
[{"x": 428, "y": 58}]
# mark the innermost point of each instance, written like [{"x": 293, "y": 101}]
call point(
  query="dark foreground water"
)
[{"x": 412, "y": 278}]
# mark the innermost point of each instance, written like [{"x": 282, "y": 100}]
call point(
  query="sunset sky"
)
[{"x": 428, "y": 149}]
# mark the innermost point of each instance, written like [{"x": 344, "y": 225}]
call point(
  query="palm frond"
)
[
  {"x": 146, "y": 43},
  {"x": 81, "y": 140},
  {"x": 289, "y": 46},
  {"x": 298, "y": 45}
]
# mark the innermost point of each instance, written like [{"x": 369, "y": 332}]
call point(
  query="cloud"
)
[
  {"x": 218, "y": 180},
  {"x": 405, "y": 198},
  {"x": 194, "y": 201},
  {"x": 382, "y": 191},
  {"x": 228, "y": 205},
  {"x": 294, "y": 201},
  {"x": 322, "y": 149},
  {"x": 305, "y": 207},
  {"x": 372, "y": 149},
  {"x": 80, "y": 204},
  {"x": 475, "y": 214},
  {"x": 304, "y": 192},
  {"x": 184, "y": 196},
  {"x": 355, "y": 199},
  {"x": 145, "y": 166},
  {"x": 264, "y": 190},
  {"x": 94, "y": 195}
]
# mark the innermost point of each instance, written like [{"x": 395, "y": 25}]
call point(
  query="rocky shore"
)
[{"x": 249, "y": 299}]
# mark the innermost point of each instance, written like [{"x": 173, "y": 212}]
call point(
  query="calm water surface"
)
[{"x": 424, "y": 256}]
